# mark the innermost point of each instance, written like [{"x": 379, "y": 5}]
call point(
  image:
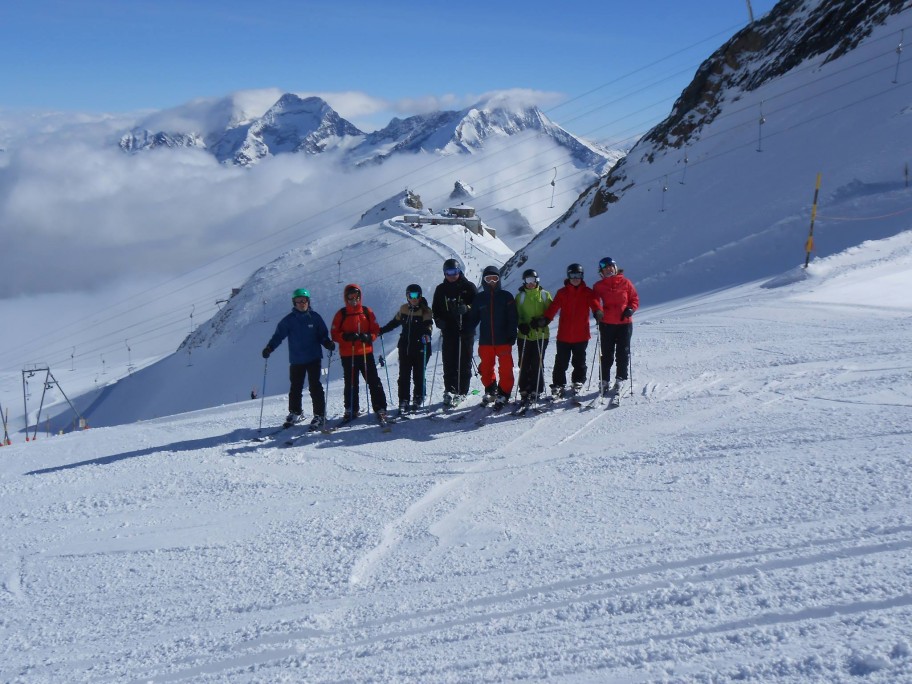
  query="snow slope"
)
[
  {"x": 731, "y": 200},
  {"x": 745, "y": 516}
]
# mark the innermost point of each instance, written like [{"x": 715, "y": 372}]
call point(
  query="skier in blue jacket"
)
[{"x": 307, "y": 337}]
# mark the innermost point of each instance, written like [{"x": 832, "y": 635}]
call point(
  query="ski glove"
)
[
  {"x": 540, "y": 322},
  {"x": 462, "y": 309},
  {"x": 599, "y": 315},
  {"x": 366, "y": 338},
  {"x": 524, "y": 328},
  {"x": 266, "y": 352},
  {"x": 627, "y": 313},
  {"x": 329, "y": 345},
  {"x": 351, "y": 337}
]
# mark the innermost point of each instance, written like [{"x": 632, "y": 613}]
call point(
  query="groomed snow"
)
[{"x": 745, "y": 516}]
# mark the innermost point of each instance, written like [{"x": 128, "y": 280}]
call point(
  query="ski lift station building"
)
[{"x": 461, "y": 215}]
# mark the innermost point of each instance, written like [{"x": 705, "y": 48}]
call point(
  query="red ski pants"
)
[{"x": 503, "y": 354}]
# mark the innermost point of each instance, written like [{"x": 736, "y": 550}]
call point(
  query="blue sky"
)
[{"x": 392, "y": 58}]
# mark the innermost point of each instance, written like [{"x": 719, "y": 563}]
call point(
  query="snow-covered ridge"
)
[{"x": 309, "y": 125}]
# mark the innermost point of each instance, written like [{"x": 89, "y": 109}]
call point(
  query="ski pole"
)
[
  {"x": 263, "y": 394},
  {"x": 597, "y": 350},
  {"x": 326, "y": 398},
  {"x": 367, "y": 387},
  {"x": 522, "y": 353},
  {"x": 424, "y": 360},
  {"x": 540, "y": 378},
  {"x": 630, "y": 359},
  {"x": 458, "y": 363},
  {"x": 386, "y": 366},
  {"x": 436, "y": 360}
]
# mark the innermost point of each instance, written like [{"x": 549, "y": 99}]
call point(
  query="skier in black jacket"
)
[
  {"x": 414, "y": 346},
  {"x": 452, "y": 302}
]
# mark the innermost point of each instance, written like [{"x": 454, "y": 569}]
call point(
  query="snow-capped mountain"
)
[
  {"x": 468, "y": 130},
  {"x": 809, "y": 89},
  {"x": 294, "y": 124}
]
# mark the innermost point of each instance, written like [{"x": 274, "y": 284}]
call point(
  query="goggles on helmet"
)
[{"x": 451, "y": 272}]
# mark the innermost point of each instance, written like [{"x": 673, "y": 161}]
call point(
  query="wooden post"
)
[{"x": 809, "y": 245}]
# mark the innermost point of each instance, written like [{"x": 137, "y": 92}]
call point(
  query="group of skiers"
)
[{"x": 458, "y": 309}]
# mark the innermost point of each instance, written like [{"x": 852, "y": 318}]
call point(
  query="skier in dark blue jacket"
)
[
  {"x": 307, "y": 337},
  {"x": 494, "y": 313}
]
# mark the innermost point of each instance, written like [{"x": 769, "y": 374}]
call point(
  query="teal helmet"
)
[{"x": 300, "y": 292}]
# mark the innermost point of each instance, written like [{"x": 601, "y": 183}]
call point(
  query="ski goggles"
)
[
  {"x": 413, "y": 295},
  {"x": 451, "y": 272},
  {"x": 300, "y": 300},
  {"x": 530, "y": 281},
  {"x": 491, "y": 278},
  {"x": 575, "y": 276}
]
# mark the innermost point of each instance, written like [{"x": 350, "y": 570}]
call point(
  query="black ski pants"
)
[
  {"x": 352, "y": 368},
  {"x": 298, "y": 373},
  {"x": 412, "y": 373},
  {"x": 531, "y": 365},
  {"x": 615, "y": 344},
  {"x": 567, "y": 352},
  {"x": 457, "y": 361}
]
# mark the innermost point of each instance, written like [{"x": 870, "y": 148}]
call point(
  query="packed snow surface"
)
[{"x": 745, "y": 515}]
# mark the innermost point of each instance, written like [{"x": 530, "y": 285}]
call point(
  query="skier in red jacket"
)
[
  {"x": 574, "y": 301},
  {"x": 354, "y": 328},
  {"x": 617, "y": 299}
]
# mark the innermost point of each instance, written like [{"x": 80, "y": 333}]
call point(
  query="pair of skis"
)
[
  {"x": 610, "y": 400},
  {"x": 385, "y": 424}
]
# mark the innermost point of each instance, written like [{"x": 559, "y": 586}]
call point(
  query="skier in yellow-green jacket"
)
[{"x": 531, "y": 302}]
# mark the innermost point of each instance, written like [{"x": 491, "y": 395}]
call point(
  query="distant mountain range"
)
[{"x": 309, "y": 125}]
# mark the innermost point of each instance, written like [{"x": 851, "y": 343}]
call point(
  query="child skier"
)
[{"x": 414, "y": 346}]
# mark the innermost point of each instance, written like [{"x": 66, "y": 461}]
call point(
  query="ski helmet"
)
[
  {"x": 413, "y": 291},
  {"x": 606, "y": 262},
  {"x": 352, "y": 289},
  {"x": 450, "y": 265},
  {"x": 530, "y": 273},
  {"x": 575, "y": 269},
  {"x": 300, "y": 292}
]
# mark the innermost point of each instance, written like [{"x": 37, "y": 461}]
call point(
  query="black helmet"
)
[
  {"x": 413, "y": 291},
  {"x": 451, "y": 264},
  {"x": 530, "y": 273},
  {"x": 607, "y": 261},
  {"x": 575, "y": 269},
  {"x": 490, "y": 270}
]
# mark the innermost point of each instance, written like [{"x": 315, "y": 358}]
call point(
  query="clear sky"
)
[{"x": 398, "y": 57}]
